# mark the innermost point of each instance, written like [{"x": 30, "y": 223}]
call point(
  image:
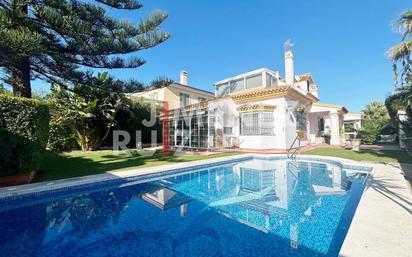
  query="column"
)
[{"x": 335, "y": 129}]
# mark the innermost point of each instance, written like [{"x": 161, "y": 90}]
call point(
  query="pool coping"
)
[
  {"x": 382, "y": 224},
  {"x": 16, "y": 191}
]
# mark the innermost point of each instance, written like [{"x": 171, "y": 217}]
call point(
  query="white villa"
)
[{"x": 257, "y": 110}]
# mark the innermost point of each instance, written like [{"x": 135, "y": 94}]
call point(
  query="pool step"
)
[{"x": 346, "y": 184}]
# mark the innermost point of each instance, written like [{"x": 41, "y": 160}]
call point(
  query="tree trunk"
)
[
  {"x": 20, "y": 72},
  {"x": 21, "y": 78}
]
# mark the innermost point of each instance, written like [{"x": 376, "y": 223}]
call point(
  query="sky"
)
[{"x": 342, "y": 43}]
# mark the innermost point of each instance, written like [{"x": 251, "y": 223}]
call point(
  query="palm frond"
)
[
  {"x": 400, "y": 50},
  {"x": 404, "y": 24}
]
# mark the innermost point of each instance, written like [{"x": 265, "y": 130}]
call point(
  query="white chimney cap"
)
[{"x": 183, "y": 77}]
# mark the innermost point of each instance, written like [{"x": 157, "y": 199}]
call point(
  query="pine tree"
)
[{"x": 58, "y": 40}]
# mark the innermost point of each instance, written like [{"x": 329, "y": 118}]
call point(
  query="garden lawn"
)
[
  {"x": 77, "y": 163},
  {"x": 364, "y": 155}
]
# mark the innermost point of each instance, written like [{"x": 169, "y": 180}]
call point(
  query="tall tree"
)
[
  {"x": 57, "y": 40},
  {"x": 400, "y": 54},
  {"x": 375, "y": 111},
  {"x": 159, "y": 82}
]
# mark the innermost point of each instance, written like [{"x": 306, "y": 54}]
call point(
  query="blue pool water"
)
[{"x": 256, "y": 207}]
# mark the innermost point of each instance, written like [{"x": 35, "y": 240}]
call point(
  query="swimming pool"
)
[{"x": 253, "y": 206}]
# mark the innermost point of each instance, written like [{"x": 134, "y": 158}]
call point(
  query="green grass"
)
[
  {"x": 364, "y": 155},
  {"x": 77, "y": 163}
]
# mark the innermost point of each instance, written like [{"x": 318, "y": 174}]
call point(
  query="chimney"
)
[
  {"x": 289, "y": 70},
  {"x": 183, "y": 78}
]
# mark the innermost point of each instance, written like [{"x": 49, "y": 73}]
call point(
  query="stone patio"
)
[{"x": 382, "y": 225}]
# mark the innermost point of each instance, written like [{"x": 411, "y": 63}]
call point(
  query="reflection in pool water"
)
[{"x": 251, "y": 208}]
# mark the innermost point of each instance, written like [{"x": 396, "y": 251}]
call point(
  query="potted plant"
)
[
  {"x": 326, "y": 134},
  {"x": 356, "y": 141}
]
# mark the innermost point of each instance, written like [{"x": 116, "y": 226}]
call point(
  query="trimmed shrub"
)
[
  {"x": 17, "y": 154},
  {"x": 24, "y": 127},
  {"x": 28, "y": 118},
  {"x": 61, "y": 138},
  {"x": 370, "y": 130}
]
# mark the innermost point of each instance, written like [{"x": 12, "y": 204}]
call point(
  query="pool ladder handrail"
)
[{"x": 291, "y": 153}]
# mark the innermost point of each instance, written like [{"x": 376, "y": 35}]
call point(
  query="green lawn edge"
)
[
  {"x": 55, "y": 166},
  {"x": 382, "y": 156}
]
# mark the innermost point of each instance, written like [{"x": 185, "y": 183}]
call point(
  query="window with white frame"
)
[
  {"x": 254, "y": 81},
  {"x": 257, "y": 124},
  {"x": 270, "y": 80},
  {"x": 184, "y": 99},
  {"x": 237, "y": 85}
]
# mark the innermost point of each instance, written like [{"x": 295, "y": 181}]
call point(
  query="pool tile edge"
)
[{"x": 15, "y": 192}]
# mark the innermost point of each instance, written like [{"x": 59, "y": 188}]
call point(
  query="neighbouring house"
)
[
  {"x": 257, "y": 110},
  {"x": 177, "y": 95}
]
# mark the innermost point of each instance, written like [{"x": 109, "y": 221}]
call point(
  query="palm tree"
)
[
  {"x": 375, "y": 118},
  {"x": 375, "y": 111},
  {"x": 400, "y": 53}
]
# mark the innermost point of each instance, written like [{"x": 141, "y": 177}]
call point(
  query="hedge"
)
[
  {"x": 24, "y": 127},
  {"x": 17, "y": 154},
  {"x": 28, "y": 118}
]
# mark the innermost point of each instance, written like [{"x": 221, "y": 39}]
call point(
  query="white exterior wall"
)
[
  {"x": 302, "y": 86},
  {"x": 284, "y": 128},
  {"x": 277, "y": 141},
  {"x": 259, "y": 142},
  {"x": 335, "y": 128},
  {"x": 290, "y": 122}
]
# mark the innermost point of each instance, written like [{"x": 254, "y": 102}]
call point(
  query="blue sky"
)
[{"x": 342, "y": 43}]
